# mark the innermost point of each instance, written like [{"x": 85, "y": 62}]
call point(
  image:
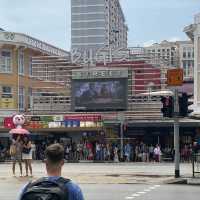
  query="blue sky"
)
[{"x": 148, "y": 20}]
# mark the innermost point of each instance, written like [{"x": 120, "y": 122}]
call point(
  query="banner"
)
[
  {"x": 7, "y": 103},
  {"x": 58, "y": 118}
]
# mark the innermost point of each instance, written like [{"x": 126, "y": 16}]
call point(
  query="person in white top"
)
[
  {"x": 157, "y": 153},
  {"x": 27, "y": 155},
  {"x": 33, "y": 148}
]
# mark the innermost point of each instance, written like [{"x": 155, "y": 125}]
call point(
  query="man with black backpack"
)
[{"x": 53, "y": 187}]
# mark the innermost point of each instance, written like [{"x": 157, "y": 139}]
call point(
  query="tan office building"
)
[{"x": 16, "y": 81}]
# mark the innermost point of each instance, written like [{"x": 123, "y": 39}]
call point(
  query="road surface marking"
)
[
  {"x": 129, "y": 197},
  {"x": 141, "y": 192},
  {"x": 137, "y": 194},
  {"x": 156, "y": 185},
  {"x": 152, "y": 188}
]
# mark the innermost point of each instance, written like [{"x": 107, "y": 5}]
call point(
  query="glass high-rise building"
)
[{"x": 96, "y": 24}]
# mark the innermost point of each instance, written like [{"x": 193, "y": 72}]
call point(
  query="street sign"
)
[{"x": 174, "y": 77}]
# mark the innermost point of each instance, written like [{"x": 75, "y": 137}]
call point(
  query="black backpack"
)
[{"x": 45, "y": 189}]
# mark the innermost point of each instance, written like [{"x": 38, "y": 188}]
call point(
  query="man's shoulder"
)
[{"x": 73, "y": 188}]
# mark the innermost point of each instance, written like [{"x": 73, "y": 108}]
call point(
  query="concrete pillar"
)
[
  {"x": 196, "y": 33},
  {"x": 193, "y": 31}
]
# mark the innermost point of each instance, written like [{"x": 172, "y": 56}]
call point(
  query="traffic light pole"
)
[
  {"x": 176, "y": 135},
  {"x": 121, "y": 141}
]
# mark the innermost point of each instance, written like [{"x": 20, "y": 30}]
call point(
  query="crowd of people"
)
[
  {"x": 111, "y": 151},
  {"x": 95, "y": 151}
]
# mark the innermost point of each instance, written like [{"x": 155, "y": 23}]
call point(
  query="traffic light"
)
[
  {"x": 168, "y": 106},
  {"x": 184, "y": 103}
]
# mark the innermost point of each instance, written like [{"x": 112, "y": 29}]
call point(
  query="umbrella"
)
[{"x": 19, "y": 131}]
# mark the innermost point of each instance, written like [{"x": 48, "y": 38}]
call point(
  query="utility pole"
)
[
  {"x": 121, "y": 120},
  {"x": 175, "y": 78},
  {"x": 176, "y": 135}
]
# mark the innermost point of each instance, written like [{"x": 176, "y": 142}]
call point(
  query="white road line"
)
[
  {"x": 141, "y": 192},
  {"x": 152, "y": 188},
  {"x": 129, "y": 197},
  {"x": 157, "y": 185},
  {"x": 135, "y": 195}
]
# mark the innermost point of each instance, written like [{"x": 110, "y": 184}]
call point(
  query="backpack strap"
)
[{"x": 62, "y": 182}]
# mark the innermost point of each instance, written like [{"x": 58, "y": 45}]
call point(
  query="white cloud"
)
[
  {"x": 149, "y": 43},
  {"x": 174, "y": 39}
]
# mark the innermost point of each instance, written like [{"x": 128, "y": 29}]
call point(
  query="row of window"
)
[
  {"x": 7, "y": 92},
  {"x": 188, "y": 54},
  {"x": 162, "y": 50},
  {"x": 188, "y": 68},
  {"x": 6, "y": 62}
]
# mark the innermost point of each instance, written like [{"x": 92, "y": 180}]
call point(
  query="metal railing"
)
[{"x": 195, "y": 164}]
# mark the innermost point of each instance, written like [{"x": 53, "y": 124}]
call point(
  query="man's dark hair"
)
[{"x": 54, "y": 153}]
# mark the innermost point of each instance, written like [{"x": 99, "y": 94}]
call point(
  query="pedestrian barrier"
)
[{"x": 195, "y": 164}]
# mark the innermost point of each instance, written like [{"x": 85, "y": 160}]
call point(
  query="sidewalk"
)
[{"x": 106, "y": 173}]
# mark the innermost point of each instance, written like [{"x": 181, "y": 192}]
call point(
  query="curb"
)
[
  {"x": 193, "y": 181},
  {"x": 184, "y": 181},
  {"x": 176, "y": 181}
]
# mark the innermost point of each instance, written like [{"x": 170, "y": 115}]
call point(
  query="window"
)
[
  {"x": 21, "y": 63},
  {"x": 6, "y": 92},
  {"x": 21, "y": 98},
  {"x": 5, "y": 61},
  {"x": 30, "y": 67},
  {"x": 189, "y": 54},
  {"x": 184, "y": 54}
]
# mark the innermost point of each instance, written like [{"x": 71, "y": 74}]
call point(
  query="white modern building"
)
[
  {"x": 97, "y": 24},
  {"x": 186, "y": 58},
  {"x": 193, "y": 32},
  {"x": 176, "y": 54},
  {"x": 165, "y": 50}
]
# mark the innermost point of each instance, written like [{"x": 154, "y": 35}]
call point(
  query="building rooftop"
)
[{"x": 30, "y": 42}]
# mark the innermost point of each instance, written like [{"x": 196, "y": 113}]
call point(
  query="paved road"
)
[
  {"x": 141, "y": 192},
  {"x": 120, "y": 191},
  {"x": 107, "y": 181}
]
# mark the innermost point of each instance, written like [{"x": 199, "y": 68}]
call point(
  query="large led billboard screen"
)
[{"x": 99, "y": 94}]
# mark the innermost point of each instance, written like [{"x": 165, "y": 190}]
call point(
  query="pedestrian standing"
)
[
  {"x": 33, "y": 150},
  {"x": 27, "y": 155},
  {"x": 16, "y": 154},
  {"x": 157, "y": 153},
  {"x": 151, "y": 150},
  {"x": 116, "y": 156}
]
